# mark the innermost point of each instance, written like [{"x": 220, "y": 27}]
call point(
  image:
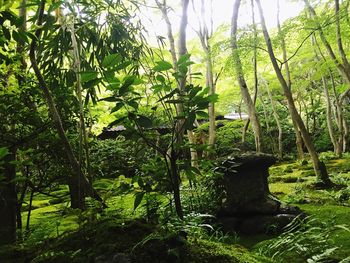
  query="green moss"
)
[
  {"x": 104, "y": 184},
  {"x": 286, "y": 179},
  {"x": 204, "y": 251}
]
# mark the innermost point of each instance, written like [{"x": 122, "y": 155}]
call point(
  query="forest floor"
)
[{"x": 60, "y": 234}]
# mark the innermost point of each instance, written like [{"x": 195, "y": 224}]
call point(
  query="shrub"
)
[
  {"x": 111, "y": 158},
  {"x": 229, "y": 137}
]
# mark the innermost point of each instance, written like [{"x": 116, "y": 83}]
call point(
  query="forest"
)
[{"x": 175, "y": 131}]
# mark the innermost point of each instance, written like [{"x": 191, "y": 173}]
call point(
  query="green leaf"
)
[
  {"x": 160, "y": 78},
  {"x": 111, "y": 60},
  {"x": 213, "y": 98},
  {"x": 183, "y": 70},
  {"x": 117, "y": 107},
  {"x": 6, "y": 33},
  {"x": 128, "y": 81},
  {"x": 88, "y": 75},
  {"x": 184, "y": 58},
  {"x": 133, "y": 104},
  {"x": 195, "y": 170},
  {"x": 190, "y": 120},
  {"x": 110, "y": 99},
  {"x": 113, "y": 86},
  {"x": 144, "y": 121},
  {"x": 3, "y": 152},
  {"x": 54, "y": 6},
  {"x": 190, "y": 175},
  {"x": 18, "y": 38},
  {"x": 122, "y": 65},
  {"x": 175, "y": 101},
  {"x": 169, "y": 95},
  {"x": 138, "y": 199},
  {"x": 162, "y": 66},
  {"x": 157, "y": 88},
  {"x": 117, "y": 121},
  {"x": 202, "y": 114}
]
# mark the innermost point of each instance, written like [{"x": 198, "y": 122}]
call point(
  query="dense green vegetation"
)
[{"x": 110, "y": 144}]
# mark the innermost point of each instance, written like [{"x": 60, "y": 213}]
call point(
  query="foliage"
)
[
  {"x": 302, "y": 240},
  {"x": 228, "y": 137},
  {"x": 112, "y": 158}
]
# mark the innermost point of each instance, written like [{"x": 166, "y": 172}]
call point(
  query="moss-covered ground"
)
[{"x": 60, "y": 234}]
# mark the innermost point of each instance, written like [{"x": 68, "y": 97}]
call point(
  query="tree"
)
[
  {"x": 319, "y": 167},
  {"x": 205, "y": 34},
  {"x": 298, "y": 138},
  {"x": 164, "y": 9},
  {"x": 242, "y": 82},
  {"x": 79, "y": 185},
  {"x": 8, "y": 197},
  {"x": 343, "y": 67}
]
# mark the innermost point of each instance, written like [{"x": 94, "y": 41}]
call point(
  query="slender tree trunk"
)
[
  {"x": 343, "y": 66},
  {"x": 164, "y": 10},
  {"x": 79, "y": 178},
  {"x": 253, "y": 116},
  {"x": 194, "y": 155},
  {"x": 346, "y": 134},
  {"x": 268, "y": 127},
  {"x": 298, "y": 137},
  {"x": 319, "y": 167},
  {"x": 255, "y": 68},
  {"x": 205, "y": 36},
  {"x": 245, "y": 129},
  {"x": 298, "y": 141},
  {"x": 339, "y": 119},
  {"x": 8, "y": 200},
  {"x": 336, "y": 138},
  {"x": 29, "y": 210},
  {"x": 329, "y": 114},
  {"x": 182, "y": 50},
  {"x": 278, "y": 123},
  {"x": 83, "y": 138}
]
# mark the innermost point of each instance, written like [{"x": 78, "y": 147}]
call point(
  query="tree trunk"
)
[
  {"x": 164, "y": 10},
  {"x": 244, "y": 130},
  {"x": 83, "y": 138},
  {"x": 194, "y": 155},
  {"x": 29, "y": 210},
  {"x": 343, "y": 66},
  {"x": 204, "y": 35},
  {"x": 298, "y": 138},
  {"x": 84, "y": 185},
  {"x": 319, "y": 167},
  {"x": 336, "y": 138},
  {"x": 329, "y": 114},
  {"x": 8, "y": 200},
  {"x": 241, "y": 80},
  {"x": 278, "y": 123},
  {"x": 176, "y": 185},
  {"x": 75, "y": 193}
]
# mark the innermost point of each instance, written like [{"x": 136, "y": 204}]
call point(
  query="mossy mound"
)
[
  {"x": 204, "y": 251},
  {"x": 128, "y": 241}
]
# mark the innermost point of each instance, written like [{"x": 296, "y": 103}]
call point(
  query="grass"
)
[
  {"x": 53, "y": 221},
  {"x": 323, "y": 205}
]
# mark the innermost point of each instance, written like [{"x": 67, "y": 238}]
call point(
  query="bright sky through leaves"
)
[{"x": 222, "y": 12}]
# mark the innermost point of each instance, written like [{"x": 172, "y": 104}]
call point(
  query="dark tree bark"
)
[{"x": 8, "y": 200}]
